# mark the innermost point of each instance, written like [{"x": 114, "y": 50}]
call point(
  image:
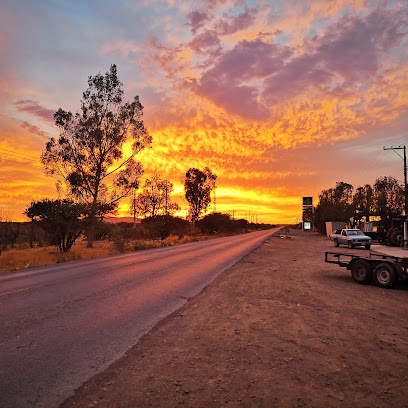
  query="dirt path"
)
[{"x": 279, "y": 329}]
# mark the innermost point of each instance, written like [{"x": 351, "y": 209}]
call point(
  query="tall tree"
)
[
  {"x": 388, "y": 199},
  {"x": 335, "y": 204},
  {"x": 155, "y": 198},
  {"x": 198, "y": 186},
  {"x": 89, "y": 154},
  {"x": 363, "y": 203}
]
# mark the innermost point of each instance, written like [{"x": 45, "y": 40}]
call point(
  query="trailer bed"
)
[
  {"x": 385, "y": 270},
  {"x": 343, "y": 260}
]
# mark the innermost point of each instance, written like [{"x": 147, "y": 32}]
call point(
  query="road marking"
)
[{"x": 13, "y": 291}]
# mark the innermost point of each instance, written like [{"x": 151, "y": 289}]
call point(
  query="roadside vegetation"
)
[
  {"x": 94, "y": 172},
  {"x": 384, "y": 201},
  {"x": 26, "y": 245}
]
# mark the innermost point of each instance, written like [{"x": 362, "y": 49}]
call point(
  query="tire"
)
[
  {"x": 397, "y": 237},
  {"x": 362, "y": 272},
  {"x": 385, "y": 276},
  {"x": 382, "y": 241},
  {"x": 336, "y": 243},
  {"x": 367, "y": 247},
  {"x": 350, "y": 245}
]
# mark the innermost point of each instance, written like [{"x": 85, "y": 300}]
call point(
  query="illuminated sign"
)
[{"x": 307, "y": 226}]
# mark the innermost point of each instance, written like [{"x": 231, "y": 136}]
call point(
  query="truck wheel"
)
[
  {"x": 397, "y": 237},
  {"x": 385, "y": 276},
  {"x": 350, "y": 245},
  {"x": 336, "y": 243},
  {"x": 362, "y": 272},
  {"x": 368, "y": 246}
]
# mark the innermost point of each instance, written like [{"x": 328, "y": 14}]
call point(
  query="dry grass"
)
[{"x": 23, "y": 258}]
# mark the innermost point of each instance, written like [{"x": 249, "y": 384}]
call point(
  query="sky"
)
[{"x": 279, "y": 99}]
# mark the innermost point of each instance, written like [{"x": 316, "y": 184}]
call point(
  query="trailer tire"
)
[
  {"x": 350, "y": 245},
  {"x": 385, "y": 276},
  {"x": 336, "y": 243},
  {"x": 362, "y": 272}
]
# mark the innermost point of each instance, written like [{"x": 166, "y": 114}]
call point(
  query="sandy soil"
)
[{"x": 281, "y": 328}]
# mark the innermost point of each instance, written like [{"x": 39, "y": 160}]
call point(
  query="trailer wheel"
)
[
  {"x": 350, "y": 245},
  {"x": 336, "y": 243},
  {"x": 362, "y": 272},
  {"x": 385, "y": 276}
]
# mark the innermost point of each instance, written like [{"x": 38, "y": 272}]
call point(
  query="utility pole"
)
[
  {"x": 395, "y": 150},
  {"x": 134, "y": 207}
]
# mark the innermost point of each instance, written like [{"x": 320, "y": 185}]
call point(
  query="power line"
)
[
  {"x": 18, "y": 153},
  {"x": 18, "y": 157},
  {"x": 32, "y": 162}
]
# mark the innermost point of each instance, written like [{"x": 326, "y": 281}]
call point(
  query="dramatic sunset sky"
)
[{"x": 279, "y": 98}]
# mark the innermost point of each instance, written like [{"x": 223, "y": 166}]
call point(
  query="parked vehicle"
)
[
  {"x": 351, "y": 237},
  {"x": 395, "y": 235},
  {"x": 384, "y": 270}
]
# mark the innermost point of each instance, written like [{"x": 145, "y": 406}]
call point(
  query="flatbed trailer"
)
[{"x": 384, "y": 270}]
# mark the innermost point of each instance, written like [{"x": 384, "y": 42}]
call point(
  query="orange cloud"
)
[{"x": 263, "y": 96}]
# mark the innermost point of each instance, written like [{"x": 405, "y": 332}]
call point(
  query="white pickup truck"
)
[{"x": 351, "y": 238}]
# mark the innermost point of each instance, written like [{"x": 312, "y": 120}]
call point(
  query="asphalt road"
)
[{"x": 62, "y": 324}]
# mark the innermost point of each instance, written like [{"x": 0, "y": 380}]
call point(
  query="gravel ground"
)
[{"x": 281, "y": 328}]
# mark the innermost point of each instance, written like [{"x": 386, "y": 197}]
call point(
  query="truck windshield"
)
[{"x": 354, "y": 232}]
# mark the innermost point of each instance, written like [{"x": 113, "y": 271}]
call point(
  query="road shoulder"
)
[{"x": 280, "y": 328}]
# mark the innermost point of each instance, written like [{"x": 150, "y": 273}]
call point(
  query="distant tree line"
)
[{"x": 342, "y": 203}]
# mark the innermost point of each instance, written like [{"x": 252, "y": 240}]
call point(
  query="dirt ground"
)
[{"x": 281, "y": 328}]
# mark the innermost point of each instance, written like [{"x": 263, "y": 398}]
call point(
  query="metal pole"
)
[
  {"x": 134, "y": 208},
  {"x": 405, "y": 189},
  {"x": 406, "y": 201},
  {"x": 405, "y": 181}
]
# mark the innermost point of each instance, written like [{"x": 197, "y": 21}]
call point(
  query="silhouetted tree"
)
[
  {"x": 88, "y": 154},
  {"x": 63, "y": 220},
  {"x": 161, "y": 226},
  {"x": 198, "y": 186},
  {"x": 155, "y": 198},
  {"x": 388, "y": 199},
  {"x": 335, "y": 204},
  {"x": 363, "y": 203},
  {"x": 216, "y": 222}
]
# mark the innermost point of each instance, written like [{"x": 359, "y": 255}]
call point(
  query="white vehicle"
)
[{"x": 351, "y": 238}]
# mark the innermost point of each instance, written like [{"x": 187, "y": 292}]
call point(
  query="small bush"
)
[
  {"x": 162, "y": 226},
  {"x": 171, "y": 240},
  {"x": 119, "y": 246},
  {"x": 215, "y": 222},
  {"x": 67, "y": 257}
]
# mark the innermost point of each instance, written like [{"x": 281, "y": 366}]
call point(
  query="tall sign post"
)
[{"x": 307, "y": 213}]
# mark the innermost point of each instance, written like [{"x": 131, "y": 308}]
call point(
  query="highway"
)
[{"x": 62, "y": 324}]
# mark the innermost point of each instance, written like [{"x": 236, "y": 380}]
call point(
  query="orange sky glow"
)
[{"x": 279, "y": 99}]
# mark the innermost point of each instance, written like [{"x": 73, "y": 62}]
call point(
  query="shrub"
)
[
  {"x": 215, "y": 222},
  {"x": 161, "y": 226}
]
